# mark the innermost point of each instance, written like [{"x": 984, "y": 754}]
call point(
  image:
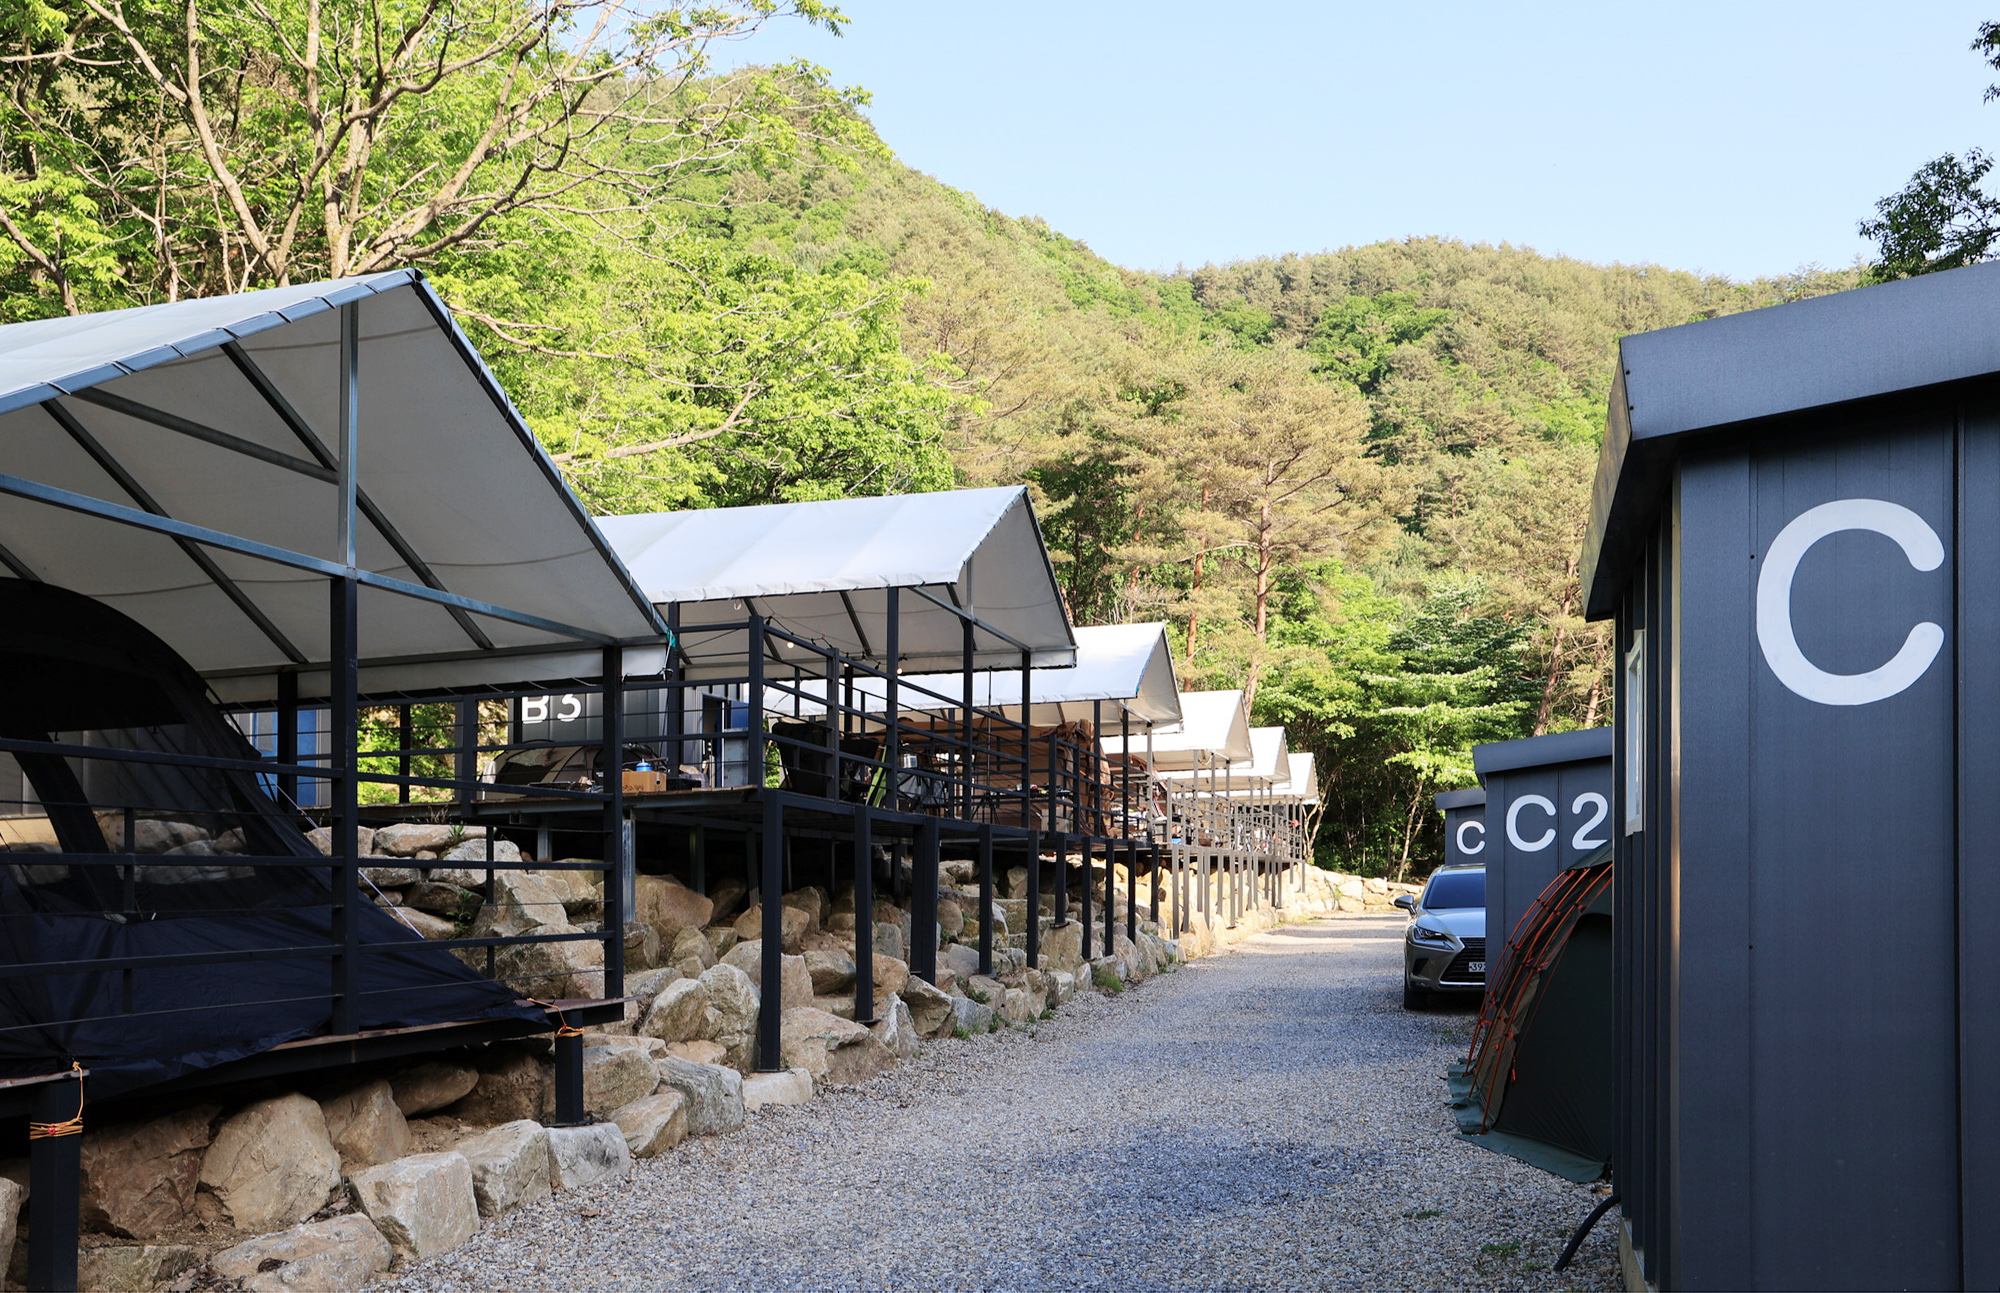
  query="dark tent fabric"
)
[
  {"x": 1538, "y": 1084},
  {"x": 227, "y": 873}
]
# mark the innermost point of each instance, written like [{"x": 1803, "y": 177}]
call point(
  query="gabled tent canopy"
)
[
  {"x": 1119, "y": 665},
  {"x": 822, "y": 571},
  {"x": 1214, "y": 729},
  {"x": 1268, "y": 766},
  {"x": 182, "y": 463},
  {"x": 1301, "y": 784}
]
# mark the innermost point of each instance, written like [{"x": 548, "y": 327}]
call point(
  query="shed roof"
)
[
  {"x": 1215, "y": 725},
  {"x": 1745, "y": 373},
  {"x": 1472, "y": 797},
  {"x": 1541, "y": 751},
  {"x": 150, "y": 452},
  {"x": 1267, "y": 768},
  {"x": 820, "y": 570}
]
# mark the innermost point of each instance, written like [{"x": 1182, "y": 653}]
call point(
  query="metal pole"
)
[
  {"x": 986, "y": 898},
  {"x": 344, "y": 814},
  {"x": 405, "y": 738},
  {"x": 288, "y": 736},
  {"x": 864, "y": 914},
  {"x": 754, "y": 708},
  {"x": 770, "y": 997},
  {"x": 892, "y": 650},
  {"x": 1057, "y": 833},
  {"x": 350, "y": 428},
  {"x": 923, "y": 902},
  {"x": 1034, "y": 899},
  {"x": 569, "y": 1080},
  {"x": 1132, "y": 892},
  {"x": 55, "y": 1183},
  {"x": 620, "y": 882},
  {"x": 965, "y": 728}
]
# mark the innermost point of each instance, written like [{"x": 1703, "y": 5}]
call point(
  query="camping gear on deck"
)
[{"x": 1538, "y": 1081}]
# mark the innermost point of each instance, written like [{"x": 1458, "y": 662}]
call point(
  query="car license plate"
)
[{"x": 1477, "y": 967}]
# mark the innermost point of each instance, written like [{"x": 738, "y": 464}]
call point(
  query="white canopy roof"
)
[
  {"x": 1215, "y": 727},
  {"x": 1267, "y": 768},
  {"x": 821, "y": 570},
  {"x": 179, "y": 462},
  {"x": 1120, "y": 664},
  {"x": 1302, "y": 786}
]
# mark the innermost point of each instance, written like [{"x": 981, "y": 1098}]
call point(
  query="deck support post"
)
[
  {"x": 1132, "y": 893},
  {"x": 864, "y": 914},
  {"x": 771, "y": 997},
  {"x": 1034, "y": 898},
  {"x": 55, "y": 1185},
  {"x": 924, "y": 901},
  {"x": 569, "y": 1080},
  {"x": 344, "y": 810},
  {"x": 1059, "y": 851},
  {"x": 986, "y": 899},
  {"x": 1084, "y": 846},
  {"x": 620, "y": 880}
]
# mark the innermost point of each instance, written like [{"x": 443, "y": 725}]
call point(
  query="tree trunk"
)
[
  {"x": 1194, "y": 604},
  {"x": 1263, "y": 601},
  {"x": 1547, "y": 708}
]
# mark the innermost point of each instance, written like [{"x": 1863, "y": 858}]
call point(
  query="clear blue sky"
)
[{"x": 1740, "y": 138}]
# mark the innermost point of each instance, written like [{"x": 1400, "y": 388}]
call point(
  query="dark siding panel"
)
[
  {"x": 1977, "y": 644},
  {"x": 1852, "y": 1018},
  {"x": 1701, "y": 930}
]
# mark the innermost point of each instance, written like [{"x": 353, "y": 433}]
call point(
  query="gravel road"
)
[{"x": 1268, "y": 1118}]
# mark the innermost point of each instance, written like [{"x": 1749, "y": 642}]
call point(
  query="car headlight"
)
[{"x": 1435, "y": 937}]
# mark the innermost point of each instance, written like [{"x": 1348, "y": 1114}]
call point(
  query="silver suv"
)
[{"x": 1444, "y": 945}]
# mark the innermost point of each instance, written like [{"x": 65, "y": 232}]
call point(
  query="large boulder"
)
[
  {"x": 795, "y": 985},
  {"x": 423, "y": 1204},
  {"x": 366, "y": 1126},
  {"x": 139, "y": 1177},
  {"x": 321, "y": 837},
  {"x": 641, "y": 946},
  {"x": 407, "y": 839},
  {"x": 889, "y": 940},
  {"x": 670, "y": 906},
  {"x": 614, "y": 1076},
  {"x": 510, "y": 1166},
  {"x": 895, "y": 1028},
  {"x": 690, "y": 953},
  {"x": 678, "y": 1014},
  {"x": 654, "y": 1124},
  {"x": 794, "y": 924},
  {"x": 950, "y": 918},
  {"x": 1062, "y": 948},
  {"x": 272, "y": 1165},
  {"x": 787, "y": 1086},
  {"x": 431, "y": 1086},
  {"x": 339, "y": 1255},
  {"x": 970, "y": 1017},
  {"x": 132, "y": 1268},
  {"x": 830, "y": 1048},
  {"x": 812, "y": 900},
  {"x": 648, "y": 984},
  {"x": 930, "y": 1009},
  {"x": 714, "y": 1094},
  {"x": 551, "y": 971},
  {"x": 733, "y": 1004},
  {"x": 523, "y": 903},
  {"x": 583, "y": 1156},
  {"x": 446, "y": 901},
  {"x": 512, "y": 1085},
  {"x": 890, "y": 976},
  {"x": 471, "y": 853},
  {"x": 831, "y": 971}
]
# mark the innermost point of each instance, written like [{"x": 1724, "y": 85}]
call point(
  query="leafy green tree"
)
[{"x": 1944, "y": 217}]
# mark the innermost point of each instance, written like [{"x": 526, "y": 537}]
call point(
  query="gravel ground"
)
[{"x": 1268, "y": 1118}]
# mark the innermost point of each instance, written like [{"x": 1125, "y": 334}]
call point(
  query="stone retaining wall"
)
[{"x": 325, "y": 1188}]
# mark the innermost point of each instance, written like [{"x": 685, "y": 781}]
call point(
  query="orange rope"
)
[
  {"x": 566, "y": 1029},
  {"x": 74, "y": 1126}
]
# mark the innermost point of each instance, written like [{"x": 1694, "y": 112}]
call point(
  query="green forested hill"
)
[
  {"x": 1421, "y": 582},
  {"x": 1354, "y": 482}
]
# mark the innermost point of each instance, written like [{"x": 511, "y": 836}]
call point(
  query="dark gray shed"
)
[
  {"x": 1548, "y": 806},
  {"x": 1796, "y": 525},
  {"x": 1464, "y": 825}
]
